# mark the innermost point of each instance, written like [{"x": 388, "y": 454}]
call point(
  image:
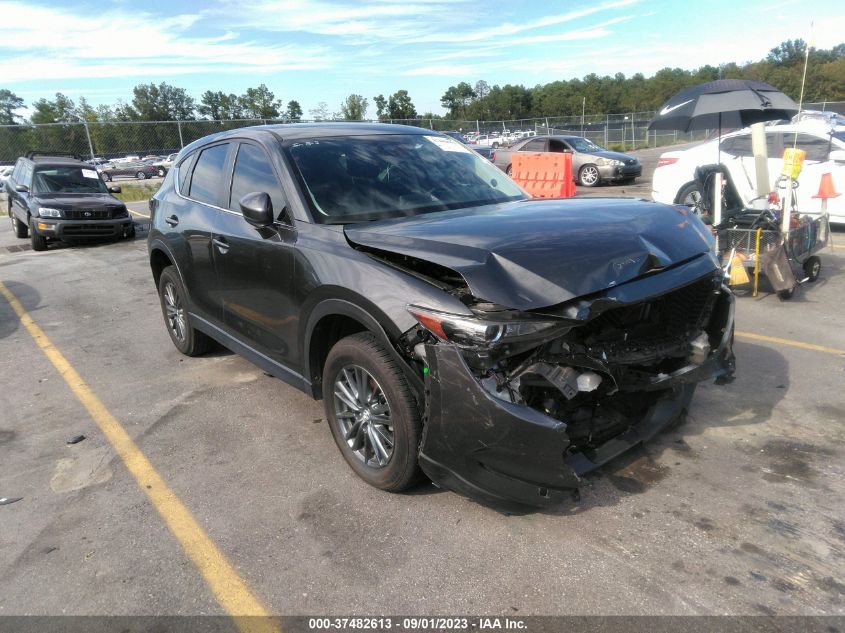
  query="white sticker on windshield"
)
[
  {"x": 447, "y": 144},
  {"x": 89, "y": 173}
]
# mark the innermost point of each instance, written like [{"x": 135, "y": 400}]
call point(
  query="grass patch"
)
[{"x": 135, "y": 192}]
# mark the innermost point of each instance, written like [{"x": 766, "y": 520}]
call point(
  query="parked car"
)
[
  {"x": 674, "y": 182},
  {"x": 414, "y": 287},
  {"x": 591, "y": 164},
  {"x": 486, "y": 152},
  {"x": 56, "y": 198},
  {"x": 488, "y": 140},
  {"x": 5, "y": 172},
  {"x": 137, "y": 170}
]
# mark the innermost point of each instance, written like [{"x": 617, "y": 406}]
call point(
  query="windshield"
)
[
  {"x": 359, "y": 178},
  {"x": 67, "y": 180},
  {"x": 584, "y": 145},
  {"x": 839, "y": 136}
]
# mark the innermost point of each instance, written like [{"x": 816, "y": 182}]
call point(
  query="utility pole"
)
[
  {"x": 88, "y": 134},
  {"x": 583, "y": 110}
]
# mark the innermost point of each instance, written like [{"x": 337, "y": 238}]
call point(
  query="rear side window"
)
[
  {"x": 816, "y": 147},
  {"x": 253, "y": 173},
  {"x": 185, "y": 169},
  {"x": 26, "y": 175},
  {"x": 17, "y": 171},
  {"x": 208, "y": 174},
  {"x": 536, "y": 145}
]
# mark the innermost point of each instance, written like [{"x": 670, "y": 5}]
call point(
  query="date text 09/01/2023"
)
[{"x": 415, "y": 623}]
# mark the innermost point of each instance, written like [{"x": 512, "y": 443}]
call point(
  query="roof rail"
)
[{"x": 34, "y": 153}]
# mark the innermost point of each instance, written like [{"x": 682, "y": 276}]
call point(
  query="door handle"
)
[
  {"x": 172, "y": 220},
  {"x": 221, "y": 244}
]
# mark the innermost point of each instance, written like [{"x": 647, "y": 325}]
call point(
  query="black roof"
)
[
  {"x": 295, "y": 131},
  {"x": 54, "y": 159}
]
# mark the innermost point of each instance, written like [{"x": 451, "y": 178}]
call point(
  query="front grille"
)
[
  {"x": 88, "y": 214},
  {"x": 88, "y": 230},
  {"x": 657, "y": 325}
]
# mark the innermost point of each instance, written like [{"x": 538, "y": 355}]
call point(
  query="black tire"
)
[
  {"x": 161, "y": 173},
  {"x": 589, "y": 176},
  {"x": 106, "y": 176},
  {"x": 187, "y": 339},
  {"x": 39, "y": 242},
  {"x": 690, "y": 196},
  {"x": 364, "y": 350},
  {"x": 141, "y": 175},
  {"x": 785, "y": 295},
  {"x": 495, "y": 145},
  {"x": 509, "y": 170},
  {"x": 627, "y": 181},
  {"x": 21, "y": 230},
  {"x": 130, "y": 234},
  {"x": 812, "y": 268}
]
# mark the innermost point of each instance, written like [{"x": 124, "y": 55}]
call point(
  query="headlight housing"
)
[
  {"x": 609, "y": 162},
  {"x": 475, "y": 332},
  {"x": 49, "y": 212}
]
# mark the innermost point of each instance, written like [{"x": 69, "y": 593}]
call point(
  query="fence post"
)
[
  {"x": 179, "y": 127},
  {"x": 606, "y": 125},
  {"x": 477, "y": 127},
  {"x": 88, "y": 134}
]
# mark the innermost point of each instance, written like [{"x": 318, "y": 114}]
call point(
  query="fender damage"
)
[
  {"x": 569, "y": 344},
  {"x": 523, "y": 429}
]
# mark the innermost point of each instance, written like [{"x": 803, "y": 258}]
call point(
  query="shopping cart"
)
[{"x": 776, "y": 254}]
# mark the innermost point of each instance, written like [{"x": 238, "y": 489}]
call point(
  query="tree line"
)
[{"x": 782, "y": 67}]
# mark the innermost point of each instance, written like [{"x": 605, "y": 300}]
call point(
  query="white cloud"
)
[{"x": 117, "y": 44}]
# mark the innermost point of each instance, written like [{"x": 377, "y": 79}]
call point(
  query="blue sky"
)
[{"x": 323, "y": 50}]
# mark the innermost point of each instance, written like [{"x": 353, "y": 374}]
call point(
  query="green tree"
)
[
  {"x": 354, "y": 108},
  {"x": 161, "y": 102},
  {"x": 381, "y": 107},
  {"x": 400, "y": 106},
  {"x": 60, "y": 110},
  {"x": 9, "y": 102},
  {"x": 210, "y": 105},
  {"x": 457, "y": 98},
  {"x": 294, "y": 111},
  {"x": 260, "y": 103}
]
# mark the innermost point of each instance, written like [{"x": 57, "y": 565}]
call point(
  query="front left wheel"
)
[
  {"x": 21, "y": 230},
  {"x": 589, "y": 176},
  {"x": 39, "y": 242},
  {"x": 372, "y": 415}
]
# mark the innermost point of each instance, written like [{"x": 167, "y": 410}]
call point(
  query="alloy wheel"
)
[
  {"x": 589, "y": 175},
  {"x": 363, "y": 416},
  {"x": 175, "y": 312}
]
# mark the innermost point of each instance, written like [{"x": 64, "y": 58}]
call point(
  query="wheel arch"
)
[
  {"x": 335, "y": 318},
  {"x": 678, "y": 196}
]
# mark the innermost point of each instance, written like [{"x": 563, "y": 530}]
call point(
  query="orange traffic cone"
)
[{"x": 826, "y": 189}]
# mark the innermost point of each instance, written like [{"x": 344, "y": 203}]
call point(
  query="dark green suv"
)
[{"x": 61, "y": 198}]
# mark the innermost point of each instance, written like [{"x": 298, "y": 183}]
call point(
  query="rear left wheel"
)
[
  {"x": 371, "y": 412},
  {"x": 140, "y": 175},
  {"x": 174, "y": 307}
]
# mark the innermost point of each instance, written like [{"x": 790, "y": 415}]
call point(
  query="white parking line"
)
[{"x": 138, "y": 213}]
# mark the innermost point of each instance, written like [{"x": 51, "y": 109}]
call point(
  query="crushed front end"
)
[{"x": 519, "y": 405}]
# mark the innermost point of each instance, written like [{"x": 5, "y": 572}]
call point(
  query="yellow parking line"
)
[
  {"x": 228, "y": 587},
  {"x": 791, "y": 343},
  {"x": 138, "y": 213}
]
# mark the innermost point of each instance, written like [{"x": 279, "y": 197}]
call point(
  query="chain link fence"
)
[{"x": 110, "y": 140}]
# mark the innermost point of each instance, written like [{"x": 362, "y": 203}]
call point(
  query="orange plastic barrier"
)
[{"x": 547, "y": 175}]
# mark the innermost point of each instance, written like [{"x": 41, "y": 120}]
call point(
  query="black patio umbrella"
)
[{"x": 725, "y": 103}]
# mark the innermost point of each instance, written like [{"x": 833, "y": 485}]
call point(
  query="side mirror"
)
[
  {"x": 838, "y": 155},
  {"x": 22, "y": 188},
  {"x": 257, "y": 208},
  {"x": 114, "y": 189}
]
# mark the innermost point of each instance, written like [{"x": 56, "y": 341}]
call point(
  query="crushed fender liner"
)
[{"x": 505, "y": 454}]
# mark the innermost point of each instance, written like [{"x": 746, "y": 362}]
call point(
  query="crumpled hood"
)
[
  {"x": 625, "y": 158},
  {"x": 538, "y": 253},
  {"x": 75, "y": 201}
]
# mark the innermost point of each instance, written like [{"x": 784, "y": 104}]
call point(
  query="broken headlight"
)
[{"x": 476, "y": 332}]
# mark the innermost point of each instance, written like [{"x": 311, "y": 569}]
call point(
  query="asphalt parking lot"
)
[{"x": 227, "y": 494}]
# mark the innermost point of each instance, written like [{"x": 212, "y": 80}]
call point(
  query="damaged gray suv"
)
[{"x": 453, "y": 326}]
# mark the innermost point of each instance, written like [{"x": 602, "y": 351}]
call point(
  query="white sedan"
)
[{"x": 673, "y": 180}]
